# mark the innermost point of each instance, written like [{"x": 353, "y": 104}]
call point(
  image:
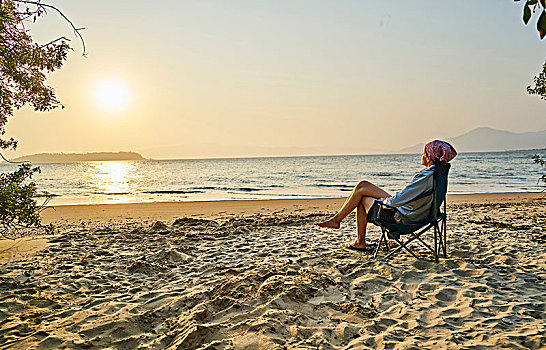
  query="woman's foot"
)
[
  {"x": 331, "y": 223},
  {"x": 361, "y": 247}
]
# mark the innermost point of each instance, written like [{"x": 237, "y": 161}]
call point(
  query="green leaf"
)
[
  {"x": 543, "y": 3},
  {"x": 531, "y": 2},
  {"x": 526, "y": 14},
  {"x": 541, "y": 25}
]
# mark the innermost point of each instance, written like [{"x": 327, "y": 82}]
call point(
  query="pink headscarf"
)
[{"x": 440, "y": 150}]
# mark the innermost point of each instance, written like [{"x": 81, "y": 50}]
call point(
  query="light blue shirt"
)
[{"x": 404, "y": 201}]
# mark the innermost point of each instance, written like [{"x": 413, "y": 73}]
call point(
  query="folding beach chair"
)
[{"x": 436, "y": 221}]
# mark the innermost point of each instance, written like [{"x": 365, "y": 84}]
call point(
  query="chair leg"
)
[
  {"x": 402, "y": 245},
  {"x": 439, "y": 242},
  {"x": 436, "y": 245},
  {"x": 444, "y": 246},
  {"x": 383, "y": 237},
  {"x": 417, "y": 237},
  {"x": 440, "y": 246}
]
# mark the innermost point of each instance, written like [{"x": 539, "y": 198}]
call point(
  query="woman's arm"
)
[{"x": 420, "y": 184}]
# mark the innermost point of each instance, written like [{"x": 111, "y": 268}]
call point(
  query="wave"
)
[
  {"x": 276, "y": 195},
  {"x": 215, "y": 188},
  {"x": 333, "y": 186},
  {"x": 173, "y": 191},
  {"x": 237, "y": 189},
  {"x": 112, "y": 193},
  {"x": 247, "y": 189},
  {"x": 40, "y": 195}
]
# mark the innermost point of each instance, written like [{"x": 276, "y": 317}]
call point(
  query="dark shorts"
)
[{"x": 387, "y": 214}]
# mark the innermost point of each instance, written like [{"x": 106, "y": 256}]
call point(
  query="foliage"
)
[
  {"x": 539, "y": 160},
  {"x": 19, "y": 210},
  {"x": 23, "y": 67},
  {"x": 531, "y": 7},
  {"x": 540, "y": 84},
  {"x": 24, "y": 63}
]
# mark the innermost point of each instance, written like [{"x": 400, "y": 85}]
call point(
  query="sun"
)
[{"x": 112, "y": 95}]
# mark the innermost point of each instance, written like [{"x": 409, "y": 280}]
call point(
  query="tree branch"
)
[
  {"x": 54, "y": 41},
  {"x": 9, "y": 161},
  {"x": 44, "y": 6}
]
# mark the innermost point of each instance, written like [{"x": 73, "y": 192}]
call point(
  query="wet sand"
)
[{"x": 261, "y": 275}]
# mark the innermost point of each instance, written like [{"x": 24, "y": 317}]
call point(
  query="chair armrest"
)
[{"x": 383, "y": 204}]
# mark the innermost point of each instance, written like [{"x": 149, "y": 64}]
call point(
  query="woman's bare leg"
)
[
  {"x": 363, "y": 189},
  {"x": 362, "y": 221}
]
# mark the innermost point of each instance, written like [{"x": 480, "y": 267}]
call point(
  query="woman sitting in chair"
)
[{"x": 365, "y": 194}]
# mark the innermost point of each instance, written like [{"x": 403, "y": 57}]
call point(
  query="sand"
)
[{"x": 261, "y": 275}]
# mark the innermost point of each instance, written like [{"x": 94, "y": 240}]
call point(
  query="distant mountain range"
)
[
  {"x": 78, "y": 157},
  {"x": 488, "y": 139}
]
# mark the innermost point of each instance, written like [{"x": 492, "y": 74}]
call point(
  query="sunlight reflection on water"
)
[{"x": 115, "y": 181}]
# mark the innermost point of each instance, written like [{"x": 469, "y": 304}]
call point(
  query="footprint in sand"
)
[{"x": 446, "y": 294}]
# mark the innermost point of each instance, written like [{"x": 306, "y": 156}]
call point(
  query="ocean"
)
[{"x": 274, "y": 178}]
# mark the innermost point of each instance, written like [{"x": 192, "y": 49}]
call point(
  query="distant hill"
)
[
  {"x": 78, "y": 157},
  {"x": 488, "y": 139}
]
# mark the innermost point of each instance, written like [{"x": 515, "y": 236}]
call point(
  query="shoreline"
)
[{"x": 290, "y": 198}]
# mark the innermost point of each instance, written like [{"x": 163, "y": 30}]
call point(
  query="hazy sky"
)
[{"x": 246, "y": 78}]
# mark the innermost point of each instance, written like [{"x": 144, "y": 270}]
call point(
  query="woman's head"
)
[
  {"x": 425, "y": 160},
  {"x": 437, "y": 151}
]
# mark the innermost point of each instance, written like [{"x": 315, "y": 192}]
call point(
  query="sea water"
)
[{"x": 274, "y": 178}]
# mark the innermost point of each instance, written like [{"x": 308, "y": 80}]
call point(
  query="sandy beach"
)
[
  {"x": 173, "y": 187},
  {"x": 261, "y": 275}
]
